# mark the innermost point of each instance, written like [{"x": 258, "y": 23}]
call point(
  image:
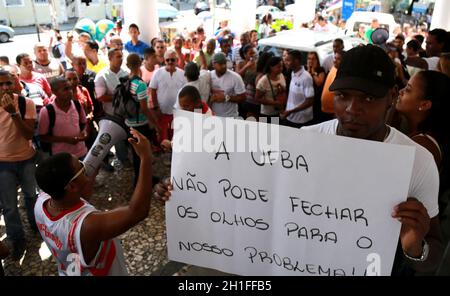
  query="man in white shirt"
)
[
  {"x": 436, "y": 43},
  {"x": 299, "y": 108},
  {"x": 328, "y": 62},
  {"x": 321, "y": 25},
  {"x": 106, "y": 82},
  {"x": 165, "y": 85},
  {"x": 108, "y": 79},
  {"x": 227, "y": 88},
  {"x": 201, "y": 80},
  {"x": 364, "y": 89}
]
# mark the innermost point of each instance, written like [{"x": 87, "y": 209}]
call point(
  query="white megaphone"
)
[{"x": 111, "y": 131}]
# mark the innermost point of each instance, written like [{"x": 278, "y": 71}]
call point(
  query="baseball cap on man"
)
[
  {"x": 365, "y": 68},
  {"x": 219, "y": 58}
]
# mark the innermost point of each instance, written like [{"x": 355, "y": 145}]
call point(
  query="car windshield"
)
[{"x": 367, "y": 25}]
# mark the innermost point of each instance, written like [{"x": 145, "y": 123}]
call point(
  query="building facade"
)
[{"x": 18, "y": 13}]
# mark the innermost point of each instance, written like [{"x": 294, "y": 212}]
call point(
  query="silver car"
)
[{"x": 6, "y": 33}]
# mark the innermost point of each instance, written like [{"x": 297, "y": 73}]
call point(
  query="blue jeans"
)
[
  {"x": 122, "y": 151},
  {"x": 13, "y": 174}
]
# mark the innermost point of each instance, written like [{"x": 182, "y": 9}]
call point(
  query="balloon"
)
[
  {"x": 85, "y": 25},
  {"x": 102, "y": 28}
]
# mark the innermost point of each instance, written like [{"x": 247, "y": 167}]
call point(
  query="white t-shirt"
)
[
  {"x": 301, "y": 87},
  {"x": 425, "y": 177},
  {"x": 319, "y": 28},
  {"x": 106, "y": 82},
  {"x": 432, "y": 63},
  {"x": 203, "y": 85},
  {"x": 167, "y": 87},
  {"x": 328, "y": 62},
  {"x": 232, "y": 84},
  {"x": 264, "y": 86}
]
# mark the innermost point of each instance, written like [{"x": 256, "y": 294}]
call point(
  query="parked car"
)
[
  {"x": 274, "y": 11},
  {"x": 6, "y": 33},
  {"x": 306, "y": 40}
]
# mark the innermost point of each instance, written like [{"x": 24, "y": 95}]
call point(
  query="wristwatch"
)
[
  {"x": 227, "y": 98},
  {"x": 425, "y": 252}
]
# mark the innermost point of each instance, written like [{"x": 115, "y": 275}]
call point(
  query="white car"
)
[
  {"x": 276, "y": 13},
  {"x": 306, "y": 40}
]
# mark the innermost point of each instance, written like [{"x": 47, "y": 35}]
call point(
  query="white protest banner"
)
[{"x": 314, "y": 205}]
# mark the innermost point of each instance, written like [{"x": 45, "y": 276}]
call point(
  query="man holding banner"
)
[{"x": 364, "y": 88}]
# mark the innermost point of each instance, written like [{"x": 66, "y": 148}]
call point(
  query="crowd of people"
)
[{"x": 50, "y": 109}]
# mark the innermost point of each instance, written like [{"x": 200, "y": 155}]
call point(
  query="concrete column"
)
[
  {"x": 440, "y": 18},
  {"x": 63, "y": 11},
  {"x": 305, "y": 12},
  {"x": 243, "y": 16},
  {"x": 53, "y": 14},
  {"x": 143, "y": 13}
]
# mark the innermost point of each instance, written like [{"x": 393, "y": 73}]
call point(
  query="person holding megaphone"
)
[{"x": 81, "y": 238}]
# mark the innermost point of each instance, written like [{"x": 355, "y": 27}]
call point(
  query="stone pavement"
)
[{"x": 144, "y": 245}]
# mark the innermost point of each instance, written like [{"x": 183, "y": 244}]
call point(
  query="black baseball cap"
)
[{"x": 366, "y": 68}]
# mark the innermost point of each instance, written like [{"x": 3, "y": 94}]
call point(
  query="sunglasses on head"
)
[
  {"x": 81, "y": 171},
  {"x": 171, "y": 60}
]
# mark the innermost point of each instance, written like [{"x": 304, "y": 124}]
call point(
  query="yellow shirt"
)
[{"x": 98, "y": 67}]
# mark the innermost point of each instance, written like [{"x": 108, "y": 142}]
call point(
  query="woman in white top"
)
[
  {"x": 264, "y": 28},
  {"x": 271, "y": 89}
]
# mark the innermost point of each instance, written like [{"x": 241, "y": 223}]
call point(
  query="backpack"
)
[
  {"x": 56, "y": 52},
  {"x": 22, "y": 106},
  {"x": 45, "y": 146},
  {"x": 125, "y": 104}
]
